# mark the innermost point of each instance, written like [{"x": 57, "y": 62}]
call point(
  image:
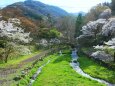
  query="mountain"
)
[
  {"x": 76, "y": 14},
  {"x": 30, "y": 7},
  {"x": 31, "y": 13}
]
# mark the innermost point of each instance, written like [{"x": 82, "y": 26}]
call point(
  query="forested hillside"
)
[{"x": 33, "y": 14}]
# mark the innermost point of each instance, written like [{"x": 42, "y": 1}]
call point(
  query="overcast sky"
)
[{"x": 68, "y": 5}]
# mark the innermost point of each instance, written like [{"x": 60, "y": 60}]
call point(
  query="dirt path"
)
[{"x": 6, "y": 73}]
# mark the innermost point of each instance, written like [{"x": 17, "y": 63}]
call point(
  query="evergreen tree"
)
[{"x": 79, "y": 23}]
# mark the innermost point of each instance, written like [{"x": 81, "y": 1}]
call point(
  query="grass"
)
[
  {"x": 13, "y": 63},
  {"x": 92, "y": 68},
  {"x": 17, "y": 60},
  {"x": 25, "y": 81},
  {"x": 59, "y": 73}
]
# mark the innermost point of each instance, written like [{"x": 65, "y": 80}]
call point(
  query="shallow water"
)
[
  {"x": 37, "y": 73},
  {"x": 76, "y": 67}
]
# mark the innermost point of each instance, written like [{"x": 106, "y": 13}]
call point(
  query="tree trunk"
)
[
  {"x": 114, "y": 56},
  {"x": 7, "y": 52},
  {"x": 6, "y": 58}
]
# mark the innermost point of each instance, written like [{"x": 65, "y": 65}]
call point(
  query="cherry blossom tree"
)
[
  {"x": 103, "y": 28},
  {"x": 92, "y": 30},
  {"x": 109, "y": 46},
  {"x": 108, "y": 29},
  {"x": 11, "y": 33}
]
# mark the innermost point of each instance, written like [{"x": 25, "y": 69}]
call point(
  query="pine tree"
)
[{"x": 79, "y": 23}]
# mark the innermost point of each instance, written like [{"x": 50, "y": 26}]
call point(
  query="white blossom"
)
[
  {"x": 105, "y": 14},
  {"x": 10, "y": 30},
  {"x": 109, "y": 45},
  {"x": 43, "y": 42},
  {"x": 101, "y": 55},
  {"x": 23, "y": 50},
  {"x": 14, "y": 20},
  {"x": 55, "y": 40},
  {"x": 93, "y": 27},
  {"x": 111, "y": 42},
  {"x": 99, "y": 47},
  {"x": 112, "y": 47},
  {"x": 109, "y": 28}
]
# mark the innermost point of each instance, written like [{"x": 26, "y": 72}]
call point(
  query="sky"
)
[{"x": 71, "y": 6}]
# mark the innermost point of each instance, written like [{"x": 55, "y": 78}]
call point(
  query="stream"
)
[
  {"x": 37, "y": 73},
  {"x": 76, "y": 67}
]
